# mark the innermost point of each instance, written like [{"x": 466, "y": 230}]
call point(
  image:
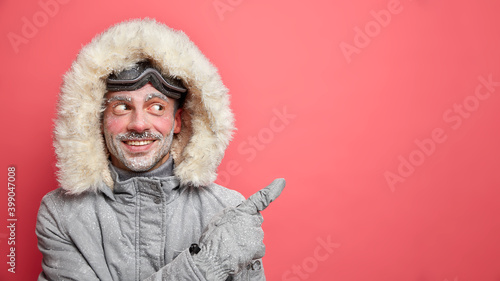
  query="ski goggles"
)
[{"x": 141, "y": 74}]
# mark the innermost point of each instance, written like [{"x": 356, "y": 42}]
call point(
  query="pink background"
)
[{"x": 361, "y": 94}]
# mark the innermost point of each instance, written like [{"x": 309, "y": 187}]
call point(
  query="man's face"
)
[{"x": 138, "y": 127}]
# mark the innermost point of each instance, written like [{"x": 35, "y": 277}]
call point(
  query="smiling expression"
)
[{"x": 138, "y": 127}]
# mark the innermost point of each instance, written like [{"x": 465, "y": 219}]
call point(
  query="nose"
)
[{"x": 138, "y": 122}]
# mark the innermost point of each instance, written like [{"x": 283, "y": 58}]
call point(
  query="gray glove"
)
[{"x": 234, "y": 237}]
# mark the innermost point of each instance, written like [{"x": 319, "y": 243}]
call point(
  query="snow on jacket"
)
[{"x": 96, "y": 227}]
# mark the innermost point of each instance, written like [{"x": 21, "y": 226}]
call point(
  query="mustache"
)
[{"x": 138, "y": 136}]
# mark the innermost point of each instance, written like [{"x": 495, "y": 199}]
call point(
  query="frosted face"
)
[{"x": 138, "y": 128}]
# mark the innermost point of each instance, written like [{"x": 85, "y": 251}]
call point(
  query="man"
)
[{"x": 143, "y": 122}]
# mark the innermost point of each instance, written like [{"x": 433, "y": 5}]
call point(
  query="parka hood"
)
[{"x": 207, "y": 120}]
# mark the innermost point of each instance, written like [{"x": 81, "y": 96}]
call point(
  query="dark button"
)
[
  {"x": 157, "y": 200},
  {"x": 194, "y": 249}
]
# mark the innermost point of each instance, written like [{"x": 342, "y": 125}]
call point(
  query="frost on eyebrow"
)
[
  {"x": 156, "y": 95},
  {"x": 117, "y": 98}
]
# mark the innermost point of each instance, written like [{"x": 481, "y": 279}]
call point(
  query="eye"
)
[
  {"x": 157, "y": 109},
  {"x": 120, "y": 108}
]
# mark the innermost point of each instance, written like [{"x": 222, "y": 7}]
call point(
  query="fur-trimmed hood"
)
[{"x": 207, "y": 120}]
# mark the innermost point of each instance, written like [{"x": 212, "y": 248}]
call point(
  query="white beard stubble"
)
[{"x": 139, "y": 163}]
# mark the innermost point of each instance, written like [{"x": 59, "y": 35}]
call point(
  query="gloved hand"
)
[{"x": 234, "y": 237}]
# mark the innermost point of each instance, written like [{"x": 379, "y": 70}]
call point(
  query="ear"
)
[{"x": 177, "y": 121}]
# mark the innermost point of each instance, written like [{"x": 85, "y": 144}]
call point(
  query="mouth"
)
[
  {"x": 138, "y": 146},
  {"x": 139, "y": 143}
]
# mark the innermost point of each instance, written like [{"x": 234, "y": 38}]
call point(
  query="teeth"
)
[{"x": 139, "y": 142}]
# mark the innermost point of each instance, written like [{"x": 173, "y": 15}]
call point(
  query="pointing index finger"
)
[{"x": 262, "y": 198}]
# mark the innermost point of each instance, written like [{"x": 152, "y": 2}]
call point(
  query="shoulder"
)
[
  {"x": 59, "y": 203},
  {"x": 61, "y": 198},
  {"x": 217, "y": 194},
  {"x": 230, "y": 194},
  {"x": 59, "y": 211}
]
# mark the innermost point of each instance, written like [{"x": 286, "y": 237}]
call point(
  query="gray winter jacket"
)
[
  {"x": 140, "y": 230},
  {"x": 96, "y": 226}
]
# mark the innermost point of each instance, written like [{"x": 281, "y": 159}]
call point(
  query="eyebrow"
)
[
  {"x": 118, "y": 98},
  {"x": 156, "y": 95}
]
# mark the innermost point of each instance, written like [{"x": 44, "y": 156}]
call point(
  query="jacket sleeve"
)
[
  {"x": 62, "y": 260},
  {"x": 181, "y": 268},
  {"x": 176, "y": 270}
]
